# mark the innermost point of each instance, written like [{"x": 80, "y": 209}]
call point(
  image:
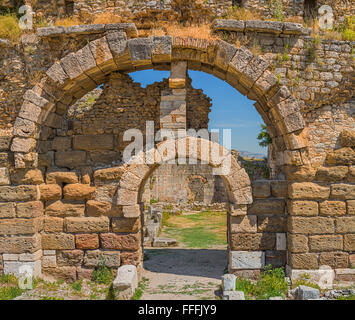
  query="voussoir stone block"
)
[
  {"x": 140, "y": 50},
  {"x": 161, "y": 49},
  {"x": 247, "y": 260}
]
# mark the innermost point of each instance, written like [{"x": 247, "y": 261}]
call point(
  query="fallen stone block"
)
[
  {"x": 126, "y": 282},
  {"x": 164, "y": 242},
  {"x": 228, "y": 282},
  {"x": 307, "y": 293}
]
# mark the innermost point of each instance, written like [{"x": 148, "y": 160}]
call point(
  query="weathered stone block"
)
[
  {"x": 347, "y": 138},
  {"x": 279, "y": 188},
  {"x": 13, "y": 267},
  {"x": 87, "y": 224},
  {"x": 302, "y": 208},
  {"x": 308, "y": 190},
  {"x": 49, "y": 262},
  {"x": 325, "y": 243},
  {"x": 126, "y": 225},
  {"x": 93, "y": 142},
  {"x": 87, "y": 241},
  {"x": 272, "y": 224},
  {"x": 18, "y": 193},
  {"x": 131, "y": 211},
  {"x": 267, "y": 206},
  {"x": 342, "y": 191},
  {"x": 274, "y": 258},
  {"x": 61, "y": 143},
  {"x": 70, "y": 159},
  {"x": 140, "y": 50},
  {"x": 20, "y": 244},
  {"x": 70, "y": 258},
  {"x": 253, "y": 242},
  {"x": 94, "y": 258},
  {"x": 350, "y": 207},
  {"x": 7, "y": 210},
  {"x": 281, "y": 242},
  {"x": 307, "y": 293},
  {"x": 343, "y": 156},
  {"x": 20, "y": 226},
  {"x": 332, "y": 208},
  {"x": 126, "y": 197},
  {"x": 65, "y": 209},
  {"x": 102, "y": 55},
  {"x": 103, "y": 176},
  {"x": 243, "y": 224},
  {"x": 30, "y": 209},
  {"x": 311, "y": 225},
  {"x": 120, "y": 241},
  {"x": 78, "y": 191},
  {"x": 229, "y": 282},
  {"x": 52, "y": 224},
  {"x": 345, "y": 225},
  {"x": 24, "y": 145},
  {"x": 58, "y": 241},
  {"x": 331, "y": 173},
  {"x": 306, "y": 261},
  {"x": 58, "y": 177},
  {"x": 126, "y": 282},
  {"x": 261, "y": 189},
  {"x": 334, "y": 259},
  {"x": 297, "y": 243},
  {"x": 161, "y": 49},
  {"x": 50, "y": 192},
  {"x": 27, "y": 176},
  {"x": 247, "y": 260}
]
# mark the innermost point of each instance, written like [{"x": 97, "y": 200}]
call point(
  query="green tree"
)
[{"x": 264, "y": 137}]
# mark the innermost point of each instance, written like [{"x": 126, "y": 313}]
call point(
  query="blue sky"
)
[{"x": 230, "y": 109}]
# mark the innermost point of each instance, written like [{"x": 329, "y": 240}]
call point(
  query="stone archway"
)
[
  {"x": 80, "y": 72},
  {"x": 236, "y": 180}
]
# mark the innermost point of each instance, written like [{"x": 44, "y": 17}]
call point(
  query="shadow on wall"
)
[{"x": 209, "y": 263}]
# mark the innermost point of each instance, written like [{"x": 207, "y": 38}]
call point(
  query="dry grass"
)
[
  {"x": 173, "y": 29},
  {"x": 67, "y": 22},
  {"x": 294, "y": 19},
  {"x": 242, "y": 14},
  {"x": 106, "y": 18},
  {"x": 9, "y": 27}
]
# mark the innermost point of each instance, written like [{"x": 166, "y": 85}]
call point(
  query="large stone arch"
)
[{"x": 78, "y": 73}]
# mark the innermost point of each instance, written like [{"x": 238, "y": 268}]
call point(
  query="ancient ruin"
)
[{"x": 66, "y": 197}]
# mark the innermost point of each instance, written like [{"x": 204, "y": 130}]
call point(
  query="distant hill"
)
[{"x": 247, "y": 154}]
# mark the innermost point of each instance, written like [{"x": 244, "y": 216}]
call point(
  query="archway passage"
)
[
  {"x": 116, "y": 223},
  {"x": 181, "y": 272}
]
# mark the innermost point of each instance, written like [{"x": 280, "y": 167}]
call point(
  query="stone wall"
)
[{"x": 59, "y": 202}]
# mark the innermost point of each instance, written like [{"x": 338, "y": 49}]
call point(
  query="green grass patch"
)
[
  {"x": 10, "y": 293},
  {"x": 103, "y": 275},
  {"x": 351, "y": 297},
  {"x": 77, "y": 285},
  {"x": 140, "y": 290},
  {"x": 8, "y": 279},
  {"x": 271, "y": 283},
  {"x": 304, "y": 282},
  {"x": 200, "y": 230}
]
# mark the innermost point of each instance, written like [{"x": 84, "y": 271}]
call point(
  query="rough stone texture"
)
[
  {"x": 247, "y": 260},
  {"x": 307, "y": 293},
  {"x": 126, "y": 282},
  {"x": 311, "y": 124}
]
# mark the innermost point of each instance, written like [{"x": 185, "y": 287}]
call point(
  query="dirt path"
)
[{"x": 183, "y": 274}]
